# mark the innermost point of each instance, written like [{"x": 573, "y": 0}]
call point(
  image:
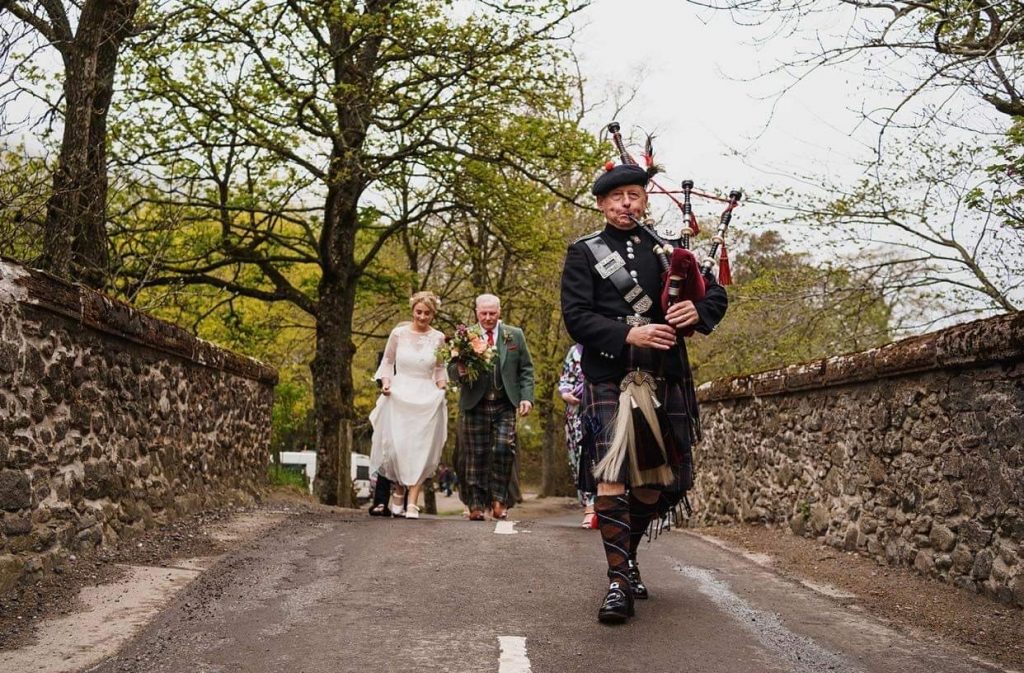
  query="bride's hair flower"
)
[{"x": 428, "y": 298}]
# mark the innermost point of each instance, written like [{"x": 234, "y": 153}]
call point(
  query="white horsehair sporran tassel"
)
[{"x": 639, "y": 391}]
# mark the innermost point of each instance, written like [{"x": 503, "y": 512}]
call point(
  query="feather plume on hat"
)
[{"x": 648, "y": 157}]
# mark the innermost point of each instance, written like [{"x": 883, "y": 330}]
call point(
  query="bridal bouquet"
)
[{"x": 468, "y": 346}]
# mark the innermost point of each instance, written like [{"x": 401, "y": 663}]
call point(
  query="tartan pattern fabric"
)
[
  {"x": 640, "y": 516},
  {"x": 600, "y": 402},
  {"x": 487, "y": 451},
  {"x": 613, "y": 522},
  {"x": 651, "y": 360},
  {"x": 688, "y": 400}
]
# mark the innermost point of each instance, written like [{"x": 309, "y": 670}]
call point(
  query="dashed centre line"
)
[
  {"x": 505, "y": 528},
  {"x": 513, "y": 653}
]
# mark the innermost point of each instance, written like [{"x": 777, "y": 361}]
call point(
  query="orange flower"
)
[{"x": 478, "y": 345}]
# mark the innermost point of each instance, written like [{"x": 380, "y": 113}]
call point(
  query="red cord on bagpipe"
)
[{"x": 669, "y": 193}]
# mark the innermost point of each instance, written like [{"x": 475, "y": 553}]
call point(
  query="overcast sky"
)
[
  {"x": 696, "y": 72},
  {"x": 716, "y": 120},
  {"x": 718, "y": 117}
]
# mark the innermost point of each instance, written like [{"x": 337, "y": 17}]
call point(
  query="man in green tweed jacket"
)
[{"x": 487, "y": 415}]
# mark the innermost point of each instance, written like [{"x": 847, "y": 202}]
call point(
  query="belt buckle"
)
[
  {"x": 638, "y": 378},
  {"x": 637, "y": 320}
]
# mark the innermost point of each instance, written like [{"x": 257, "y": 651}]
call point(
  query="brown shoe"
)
[
  {"x": 476, "y": 515},
  {"x": 498, "y": 510}
]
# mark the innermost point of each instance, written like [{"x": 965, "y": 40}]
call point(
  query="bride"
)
[{"x": 410, "y": 420}]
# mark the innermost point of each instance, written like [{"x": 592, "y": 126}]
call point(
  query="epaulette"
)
[{"x": 585, "y": 237}]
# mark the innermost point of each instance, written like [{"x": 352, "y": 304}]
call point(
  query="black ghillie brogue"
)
[
  {"x": 636, "y": 583},
  {"x": 617, "y": 606}
]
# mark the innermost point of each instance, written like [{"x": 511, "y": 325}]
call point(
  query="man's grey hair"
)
[{"x": 487, "y": 299}]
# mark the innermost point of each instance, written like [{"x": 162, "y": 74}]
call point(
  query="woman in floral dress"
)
[{"x": 570, "y": 386}]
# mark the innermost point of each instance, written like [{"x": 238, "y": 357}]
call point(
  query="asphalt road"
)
[{"x": 344, "y": 592}]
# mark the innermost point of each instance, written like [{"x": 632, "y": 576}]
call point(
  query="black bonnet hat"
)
[{"x": 619, "y": 176}]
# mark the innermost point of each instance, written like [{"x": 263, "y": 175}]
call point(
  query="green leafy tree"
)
[
  {"x": 297, "y": 139},
  {"x": 933, "y": 225},
  {"x": 936, "y": 215},
  {"x": 1006, "y": 179},
  {"x": 88, "y": 36},
  {"x": 24, "y": 189},
  {"x": 784, "y": 309}
]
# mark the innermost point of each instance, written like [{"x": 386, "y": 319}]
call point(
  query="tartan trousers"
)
[{"x": 487, "y": 451}]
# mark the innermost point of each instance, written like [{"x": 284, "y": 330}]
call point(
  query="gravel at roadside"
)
[
  {"x": 988, "y": 630},
  {"x": 57, "y": 593}
]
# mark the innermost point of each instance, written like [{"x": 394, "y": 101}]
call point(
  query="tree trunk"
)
[
  {"x": 333, "y": 393},
  {"x": 75, "y": 242},
  {"x": 345, "y": 181},
  {"x": 429, "y": 497},
  {"x": 555, "y": 477}
]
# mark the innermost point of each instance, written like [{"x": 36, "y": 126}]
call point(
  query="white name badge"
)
[{"x": 610, "y": 265}]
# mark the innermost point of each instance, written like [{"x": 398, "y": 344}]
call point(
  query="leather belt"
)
[{"x": 612, "y": 267}]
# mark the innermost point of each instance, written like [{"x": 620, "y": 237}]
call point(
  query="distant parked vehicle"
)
[
  {"x": 308, "y": 459},
  {"x": 361, "y": 476}
]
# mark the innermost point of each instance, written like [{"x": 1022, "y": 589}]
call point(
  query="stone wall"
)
[
  {"x": 113, "y": 421},
  {"x": 912, "y": 453}
]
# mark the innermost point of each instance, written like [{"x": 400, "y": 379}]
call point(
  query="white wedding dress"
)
[{"x": 410, "y": 425}]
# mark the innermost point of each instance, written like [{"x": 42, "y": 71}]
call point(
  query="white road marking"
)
[
  {"x": 504, "y": 527},
  {"x": 513, "y": 654}
]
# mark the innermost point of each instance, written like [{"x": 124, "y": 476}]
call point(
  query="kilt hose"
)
[{"x": 487, "y": 452}]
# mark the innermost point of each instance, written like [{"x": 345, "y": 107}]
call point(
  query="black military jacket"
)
[{"x": 592, "y": 307}]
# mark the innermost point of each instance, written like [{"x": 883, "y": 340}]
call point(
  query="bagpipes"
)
[
  {"x": 642, "y": 434},
  {"x": 683, "y": 278}
]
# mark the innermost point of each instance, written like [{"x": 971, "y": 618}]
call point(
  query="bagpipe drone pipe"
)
[{"x": 684, "y": 279}]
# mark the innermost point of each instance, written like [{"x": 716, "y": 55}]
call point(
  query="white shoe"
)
[
  {"x": 396, "y": 505},
  {"x": 413, "y": 512}
]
